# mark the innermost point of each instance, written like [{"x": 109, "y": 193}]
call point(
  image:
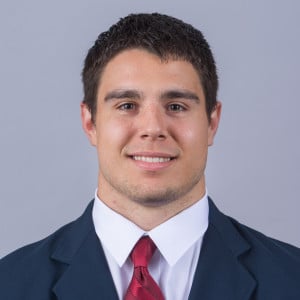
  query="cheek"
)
[
  {"x": 113, "y": 135},
  {"x": 195, "y": 136}
]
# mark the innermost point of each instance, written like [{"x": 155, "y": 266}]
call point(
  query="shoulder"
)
[
  {"x": 241, "y": 236},
  {"x": 273, "y": 263},
  {"x": 28, "y": 266},
  {"x": 35, "y": 251},
  {"x": 33, "y": 265},
  {"x": 262, "y": 243},
  {"x": 267, "y": 252},
  {"x": 258, "y": 240}
]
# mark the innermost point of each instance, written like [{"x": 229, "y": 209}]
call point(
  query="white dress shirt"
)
[{"x": 178, "y": 242}]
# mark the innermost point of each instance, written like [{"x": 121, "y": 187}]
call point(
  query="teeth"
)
[{"x": 152, "y": 159}]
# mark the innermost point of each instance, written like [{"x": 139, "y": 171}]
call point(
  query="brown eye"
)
[
  {"x": 127, "y": 106},
  {"x": 175, "y": 107}
]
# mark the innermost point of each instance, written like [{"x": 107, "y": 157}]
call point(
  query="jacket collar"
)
[
  {"x": 85, "y": 272},
  {"x": 220, "y": 273}
]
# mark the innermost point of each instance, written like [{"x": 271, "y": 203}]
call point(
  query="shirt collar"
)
[{"x": 182, "y": 231}]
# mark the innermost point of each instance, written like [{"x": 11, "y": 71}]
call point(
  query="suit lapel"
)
[
  {"x": 220, "y": 273},
  {"x": 86, "y": 273}
]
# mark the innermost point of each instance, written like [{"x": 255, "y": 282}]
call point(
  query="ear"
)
[
  {"x": 214, "y": 123},
  {"x": 88, "y": 124}
]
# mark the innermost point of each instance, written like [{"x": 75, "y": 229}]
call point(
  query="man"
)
[{"x": 150, "y": 109}]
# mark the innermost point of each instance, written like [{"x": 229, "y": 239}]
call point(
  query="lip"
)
[
  {"x": 152, "y": 154},
  {"x": 152, "y": 161}
]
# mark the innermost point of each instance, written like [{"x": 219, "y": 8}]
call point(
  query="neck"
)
[{"x": 148, "y": 217}]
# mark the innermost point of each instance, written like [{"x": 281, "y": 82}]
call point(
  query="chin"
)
[{"x": 155, "y": 199}]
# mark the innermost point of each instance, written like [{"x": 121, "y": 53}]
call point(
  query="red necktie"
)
[{"x": 142, "y": 285}]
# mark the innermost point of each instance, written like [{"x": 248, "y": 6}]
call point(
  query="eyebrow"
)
[
  {"x": 180, "y": 94},
  {"x": 121, "y": 94},
  {"x": 166, "y": 95}
]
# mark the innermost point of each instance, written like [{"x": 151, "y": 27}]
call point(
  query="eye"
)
[
  {"x": 176, "y": 107},
  {"x": 127, "y": 106}
]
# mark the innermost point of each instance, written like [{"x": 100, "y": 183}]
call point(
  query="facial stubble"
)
[{"x": 153, "y": 196}]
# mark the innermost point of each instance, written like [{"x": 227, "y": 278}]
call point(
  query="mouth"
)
[{"x": 152, "y": 159}]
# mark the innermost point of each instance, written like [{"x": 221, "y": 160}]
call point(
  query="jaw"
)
[{"x": 147, "y": 206}]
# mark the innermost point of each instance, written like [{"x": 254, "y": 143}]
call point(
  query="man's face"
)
[{"x": 151, "y": 130}]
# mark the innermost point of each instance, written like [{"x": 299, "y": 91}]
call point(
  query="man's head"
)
[
  {"x": 162, "y": 35},
  {"x": 154, "y": 81}
]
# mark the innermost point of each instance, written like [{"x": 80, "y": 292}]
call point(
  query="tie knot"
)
[{"x": 142, "y": 252}]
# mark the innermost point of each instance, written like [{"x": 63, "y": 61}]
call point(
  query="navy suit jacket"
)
[{"x": 236, "y": 263}]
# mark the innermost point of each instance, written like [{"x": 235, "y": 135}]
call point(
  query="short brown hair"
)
[{"x": 162, "y": 35}]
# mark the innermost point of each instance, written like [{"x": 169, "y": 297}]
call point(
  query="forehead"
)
[{"x": 140, "y": 67}]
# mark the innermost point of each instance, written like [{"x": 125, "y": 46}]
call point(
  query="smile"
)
[{"x": 150, "y": 159}]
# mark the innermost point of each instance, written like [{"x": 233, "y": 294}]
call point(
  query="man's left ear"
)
[
  {"x": 214, "y": 122},
  {"x": 88, "y": 124}
]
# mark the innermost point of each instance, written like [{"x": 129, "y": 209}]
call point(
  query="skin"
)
[{"x": 152, "y": 135}]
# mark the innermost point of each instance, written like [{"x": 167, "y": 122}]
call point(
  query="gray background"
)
[{"x": 47, "y": 168}]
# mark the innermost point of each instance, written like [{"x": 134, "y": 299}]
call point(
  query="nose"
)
[{"x": 152, "y": 123}]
